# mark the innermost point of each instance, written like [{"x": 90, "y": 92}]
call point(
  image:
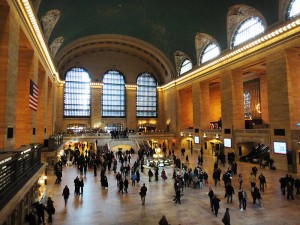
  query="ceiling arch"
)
[{"x": 99, "y": 47}]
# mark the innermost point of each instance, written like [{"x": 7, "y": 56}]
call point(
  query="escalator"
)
[{"x": 259, "y": 153}]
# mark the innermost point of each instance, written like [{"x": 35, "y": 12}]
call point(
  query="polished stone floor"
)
[{"x": 108, "y": 207}]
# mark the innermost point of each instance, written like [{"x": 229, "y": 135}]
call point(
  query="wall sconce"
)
[
  {"x": 181, "y": 134},
  {"x": 217, "y": 136},
  {"x": 204, "y": 135}
]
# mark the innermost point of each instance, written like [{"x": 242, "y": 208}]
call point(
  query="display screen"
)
[
  {"x": 279, "y": 147},
  {"x": 227, "y": 142},
  {"x": 197, "y": 140}
]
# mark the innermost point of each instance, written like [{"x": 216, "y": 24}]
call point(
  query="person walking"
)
[
  {"x": 211, "y": 197},
  {"x": 163, "y": 221},
  {"x": 244, "y": 201},
  {"x": 240, "y": 196},
  {"x": 133, "y": 179},
  {"x": 290, "y": 190},
  {"x": 138, "y": 176},
  {"x": 77, "y": 186},
  {"x": 262, "y": 182},
  {"x": 163, "y": 175},
  {"x": 229, "y": 192},
  {"x": 143, "y": 192},
  {"x": 150, "y": 174},
  {"x": 216, "y": 204},
  {"x": 177, "y": 196},
  {"x": 226, "y": 217},
  {"x": 156, "y": 173},
  {"x": 66, "y": 194},
  {"x": 240, "y": 180},
  {"x": 50, "y": 209},
  {"x": 126, "y": 183},
  {"x": 81, "y": 185}
]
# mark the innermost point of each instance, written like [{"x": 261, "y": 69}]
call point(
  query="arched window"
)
[
  {"x": 247, "y": 30},
  {"x": 77, "y": 93},
  {"x": 293, "y": 9},
  {"x": 146, "y": 96},
  {"x": 210, "y": 51},
  {"x": 247, "y": 102},
  {"x": 186, "y": 65},
  {"x": 113, "y": 94}
]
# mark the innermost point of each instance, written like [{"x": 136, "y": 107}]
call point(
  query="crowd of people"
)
[{"x": 185, "y": 178}]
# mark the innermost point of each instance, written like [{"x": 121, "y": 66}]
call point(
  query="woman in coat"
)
[{"x": 163, "y": 175}]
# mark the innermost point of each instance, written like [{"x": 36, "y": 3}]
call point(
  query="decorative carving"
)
[
  {"x": 55, "y": 45},
  {"x": 49, "y": 21}
]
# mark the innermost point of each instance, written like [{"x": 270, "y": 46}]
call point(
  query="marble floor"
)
[{"x": 108, "y": 207}]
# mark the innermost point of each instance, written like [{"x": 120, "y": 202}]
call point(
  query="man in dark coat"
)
[
  {"x": 143, "y": 193},
  {"x": 229, "y": 192},
  {"x": 211, "y": 196},
  {"x": 216, "y": 204}
]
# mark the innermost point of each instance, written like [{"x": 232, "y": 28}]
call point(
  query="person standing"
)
[
  {"x": 143, "y": 193},
  {"x": 66, "y": 194},
  {"x": 226, "y": 217}
]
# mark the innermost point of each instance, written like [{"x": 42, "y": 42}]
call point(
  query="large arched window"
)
[
  {"x": 146, "y": 96},
  {"x": 209, "y": 52},
  {"x": 247, "y": 103},
  {"x": 113, "y": 94},
  {"x": 186, "y": 65},
  {"x": 77, "y": 93},
  {"x": 293, "y": 9},
  {"x": 247, "y": 30}
]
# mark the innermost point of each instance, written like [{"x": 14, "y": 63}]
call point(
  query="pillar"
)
[{"x": 232, "y": 100}]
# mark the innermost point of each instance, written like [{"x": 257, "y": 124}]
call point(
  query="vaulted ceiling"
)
[{"x": 167, "y": 25}]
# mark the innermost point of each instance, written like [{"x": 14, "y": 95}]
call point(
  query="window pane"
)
[
  {"x": 185, "y": 66},
  {"x": 247, "y": 101},
  {"x": 77, "y": 93},
  {"x": 294, "y": 9},
  {"x": 248, "y": 29},
  {"x": 146, "y": 96},
  {"x": 211, "y": 51},
  {"x": 113, "y": 94}
]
